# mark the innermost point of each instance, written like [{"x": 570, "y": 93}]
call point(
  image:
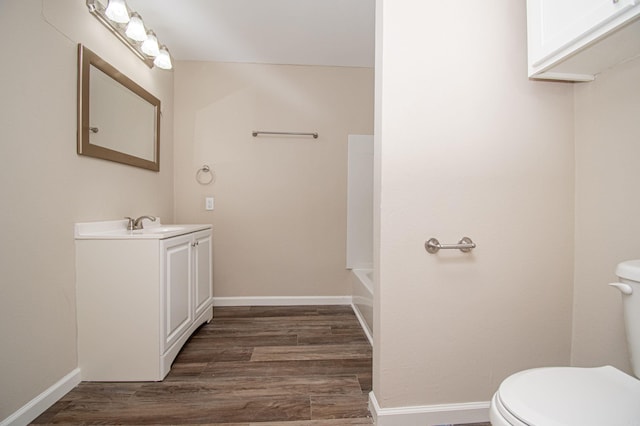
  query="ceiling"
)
[{"x": 300, "y": 32}]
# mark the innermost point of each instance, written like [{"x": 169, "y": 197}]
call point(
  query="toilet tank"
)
[{"x": 629, "y": 273}]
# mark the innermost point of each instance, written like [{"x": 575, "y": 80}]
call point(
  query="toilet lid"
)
[{"x": 572, "y": 396}]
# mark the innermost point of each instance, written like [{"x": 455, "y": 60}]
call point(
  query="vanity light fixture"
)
[
  {"x": 150, "y": 45},
  {"x": 135, "y": 28},
  {"x": 163, "y": 60},
  {"x": 117, "y": 11},
  {"x": 128, "y": 27}
]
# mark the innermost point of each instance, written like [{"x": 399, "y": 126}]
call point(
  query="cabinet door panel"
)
[
  {"x": 176, "y": 289},
  {"x": 554, "y": 25},
  {"x": 203, "y": 272}
]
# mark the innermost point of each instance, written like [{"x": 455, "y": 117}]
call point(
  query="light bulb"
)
[
  {"x": 135, "y": 29},
  {"x": 150, "y": 45},
  {"x": 163, "y": 60},
  {"x": 117, "y": 11}
]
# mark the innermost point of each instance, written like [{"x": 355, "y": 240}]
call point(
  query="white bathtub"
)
[{"x": 362, "y": 291}]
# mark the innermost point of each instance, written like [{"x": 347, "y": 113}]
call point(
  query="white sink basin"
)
[{"x": 160, "y": 229}]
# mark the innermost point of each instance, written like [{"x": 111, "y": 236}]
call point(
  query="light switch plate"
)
[{"x": 208, "y": 203}]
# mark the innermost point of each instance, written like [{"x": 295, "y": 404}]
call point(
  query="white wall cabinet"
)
[
  {"x": 576, "y": 39},
  {"x": 139, "y": 299}
]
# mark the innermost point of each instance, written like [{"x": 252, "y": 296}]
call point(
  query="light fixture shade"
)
[
  {"x": 163, "y": 60},
  {"x": 150, "y": 45},
  {"x": 117, "y": 11},
  {"x": 135, "y": 28}
]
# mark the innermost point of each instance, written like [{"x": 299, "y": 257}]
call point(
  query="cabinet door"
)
[
  {"x": 555, "y": 25},
  {"x": 176, "y": 288},
  {"x": 203, "y": 271}
]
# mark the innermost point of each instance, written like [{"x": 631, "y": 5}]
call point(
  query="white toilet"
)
[{"x": 568, "y": 396}]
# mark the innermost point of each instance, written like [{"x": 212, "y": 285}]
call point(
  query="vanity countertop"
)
[{"x": 117, "y": 230}]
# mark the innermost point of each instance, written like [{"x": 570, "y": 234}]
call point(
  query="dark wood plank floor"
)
[{"x": 301, "y": 365}]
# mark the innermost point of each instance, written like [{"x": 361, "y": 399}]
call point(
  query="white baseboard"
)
[
  {"x": 363, "y": 323},
  {"x": 429, "y": 415},
  {"x": 46, "y": 399},
  {"x": 281, "y": 301}
]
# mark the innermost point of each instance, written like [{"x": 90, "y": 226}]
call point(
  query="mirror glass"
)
[{"x": 117, "y": 119}]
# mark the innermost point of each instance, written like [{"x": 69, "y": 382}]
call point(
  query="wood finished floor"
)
[
  {"x": 296, "y": 365},
  {"x": 291, "y": 366}
]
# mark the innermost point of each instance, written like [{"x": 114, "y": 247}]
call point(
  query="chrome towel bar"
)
[
  {"x": 464, "y": 245},
  {"x": 260, "y": 132}
]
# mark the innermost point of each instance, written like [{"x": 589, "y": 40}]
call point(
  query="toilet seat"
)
[{"x": 565, "y": 396}]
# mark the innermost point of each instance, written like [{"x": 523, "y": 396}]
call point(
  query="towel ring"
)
[{"x": 205, "y": 175}]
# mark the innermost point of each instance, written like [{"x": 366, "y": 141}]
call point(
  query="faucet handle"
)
[{"x": 130, "y": 224}]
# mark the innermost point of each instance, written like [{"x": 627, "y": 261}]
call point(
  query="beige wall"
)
[
  {"x": 467, "y": 145},
  {"x": 45, "y": 187},
  {"x": 607, "y": 210},
  {"x": 280, "y": 202}
]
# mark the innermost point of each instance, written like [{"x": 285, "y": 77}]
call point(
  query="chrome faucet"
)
[{"x": 137, "y": 223}]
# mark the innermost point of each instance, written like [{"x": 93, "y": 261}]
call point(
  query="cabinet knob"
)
[{"x": 195, "y": 244}]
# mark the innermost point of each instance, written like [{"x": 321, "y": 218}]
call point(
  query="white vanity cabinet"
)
[
  {"x": 139, "y": 298},
  {"x": 576, "y": 39}
]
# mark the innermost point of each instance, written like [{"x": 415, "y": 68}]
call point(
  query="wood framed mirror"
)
[{"x": 117, "y": 119}]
